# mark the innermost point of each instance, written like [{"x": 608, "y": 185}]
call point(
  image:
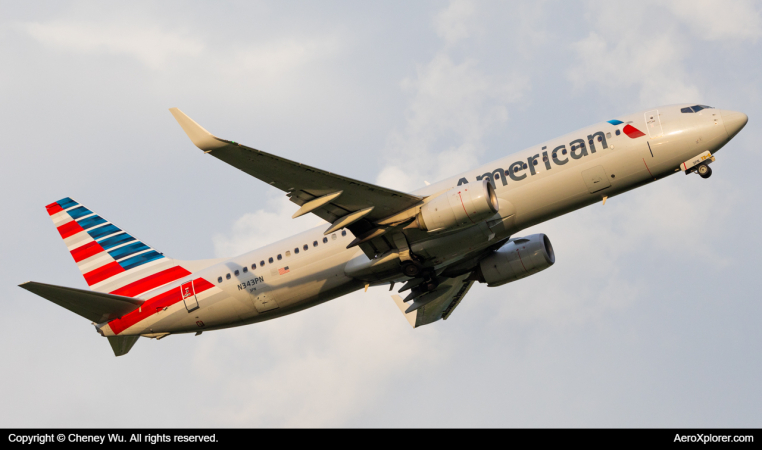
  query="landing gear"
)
[
  {"x": 704, "y": 171},
  {"x": 411, "y": 269}
]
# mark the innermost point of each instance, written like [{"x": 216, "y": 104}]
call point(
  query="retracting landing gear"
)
[
  {"x": 411, "y": 269},
  {"x": 704, "y": 171},
  {"x": 699, "y": 164}
]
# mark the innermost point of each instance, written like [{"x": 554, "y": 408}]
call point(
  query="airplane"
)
[{"x": 438, "y": 240}]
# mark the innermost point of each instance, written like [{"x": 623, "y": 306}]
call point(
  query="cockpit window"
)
[{"x": 695, "y": 108}]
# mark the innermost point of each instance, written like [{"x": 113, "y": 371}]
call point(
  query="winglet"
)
[{"x": 197, "y": 134}]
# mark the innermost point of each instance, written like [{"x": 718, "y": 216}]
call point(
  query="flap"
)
[{"x": 446, "y": 298}]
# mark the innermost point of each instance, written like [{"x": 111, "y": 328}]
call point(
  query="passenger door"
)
[{"x": 653, "y": 123}]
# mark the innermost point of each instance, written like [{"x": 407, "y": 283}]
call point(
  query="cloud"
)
[
  {"x": 645, "y": 55},
  {"x": 263, "y": 227},
  {"x": 154, "y": 46},
  {"x": 149, "y": 44},
  {"x": 451, "y": 24},
  {"x": 453, "y": 106},
  {"x": 711, "y": 20},
  {"x": 320, "y": 367}
]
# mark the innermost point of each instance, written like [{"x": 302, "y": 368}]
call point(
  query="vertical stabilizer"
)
[{"x": 110, "y": 259}]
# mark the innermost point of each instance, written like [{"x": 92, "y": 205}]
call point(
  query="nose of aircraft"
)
[{"x": 733, "y": 121}]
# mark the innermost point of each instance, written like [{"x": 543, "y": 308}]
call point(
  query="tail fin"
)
[{"x": 110, "y": 259}]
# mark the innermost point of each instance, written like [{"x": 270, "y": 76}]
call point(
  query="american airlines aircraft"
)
[{"x": 438, "y": 240}]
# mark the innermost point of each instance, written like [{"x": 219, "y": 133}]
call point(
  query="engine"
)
[
  {"x": 460, "y": 207},
  {"x": 516, "y": 259}
]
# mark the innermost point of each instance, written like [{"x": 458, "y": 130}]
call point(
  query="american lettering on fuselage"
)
[
  {"x": 435, "y": 242},
  {"x": 578, "y": 150}
]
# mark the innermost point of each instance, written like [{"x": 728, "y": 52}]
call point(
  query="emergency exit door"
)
[{"x": 189, "y": 296}]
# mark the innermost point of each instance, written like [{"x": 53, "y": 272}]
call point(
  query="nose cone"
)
[{"x": 733, "y": 121}]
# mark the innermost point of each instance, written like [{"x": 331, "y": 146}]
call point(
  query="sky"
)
[{"x": 649, "y": 318}]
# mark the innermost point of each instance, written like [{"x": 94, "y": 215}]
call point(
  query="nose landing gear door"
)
[
  {"x": 653, "y": 123},
  {"x": 189, "y": 296}
]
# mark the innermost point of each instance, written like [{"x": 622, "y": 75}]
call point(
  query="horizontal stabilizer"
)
[
  {"x": 94, "y": 306},
  {"x": 122, "y": 344}
]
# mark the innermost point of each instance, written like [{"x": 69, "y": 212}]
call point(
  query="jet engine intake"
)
[
  {"x": 460, "y": 207},
  {"x": 515, "y": 260}
]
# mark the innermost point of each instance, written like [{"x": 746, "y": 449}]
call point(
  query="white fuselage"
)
[{"x": 527, "y": 197}]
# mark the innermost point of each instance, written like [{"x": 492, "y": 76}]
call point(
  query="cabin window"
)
[
  {"x": 545, "y": 158},
  {"x": 534, "y": 162},
  {"x": 591, "y": 141},
  {"x": 227, "y": 277},
  {"x": 333, "y": 236},
  {"x": 618, "y": 132},
  {"x": 246, "y": 269},
  {"x": 555, "y": 155},
  {"x": 279, "y": 257},
  {"x": 608, "y": 135},
  {"x": 236, "y": 273},
  {"x": 497, "y": 176},
  {"x": 296, "y": 251},
  {"x": 306, "y": 247},
  {"x": 314, "y": 244},
  {"x": 270, "y": 260},
  {"x": 325, "y": 240},
  {"x": 261, "y": 264},
  {"x": 343, "y": 232},
  {"x": 219, "y": 279},
  {"x": 563, "y": 152},
  {"x": 525, "y": 165},
  {"x": 288, "y": 253}
]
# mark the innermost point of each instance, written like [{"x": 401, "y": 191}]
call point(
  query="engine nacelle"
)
[
  {"x": 516, "y": 260},
  {"x": 460, "y": 207}
]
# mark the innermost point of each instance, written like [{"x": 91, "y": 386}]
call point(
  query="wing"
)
[
  {"x": 339, "y": 200},
  {"x": 435, "y": 305}
]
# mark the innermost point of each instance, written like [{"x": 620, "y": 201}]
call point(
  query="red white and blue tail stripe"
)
[{"x": 110, "y": 259}]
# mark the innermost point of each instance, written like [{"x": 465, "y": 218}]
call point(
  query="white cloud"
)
[
  {"x": 263, "y": 227},
  {"x": 713, "y": 20},
  {"x": 646, "y": 55},
  {"x": 149, "y": 44},
  {"x": 452, "y": 108},
  {"x": 451, "y": 24},
  {"x": 317, "y": 368},
  {"x": 154, "y": 45}
]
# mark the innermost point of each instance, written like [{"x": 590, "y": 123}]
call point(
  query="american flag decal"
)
[{"x": 283, "y": 270}]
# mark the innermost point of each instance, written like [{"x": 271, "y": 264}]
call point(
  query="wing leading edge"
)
[{"x": 339, "y": 200}]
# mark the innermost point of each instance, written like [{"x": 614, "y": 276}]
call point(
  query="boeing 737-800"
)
[{"x": 438, "y": 240}]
